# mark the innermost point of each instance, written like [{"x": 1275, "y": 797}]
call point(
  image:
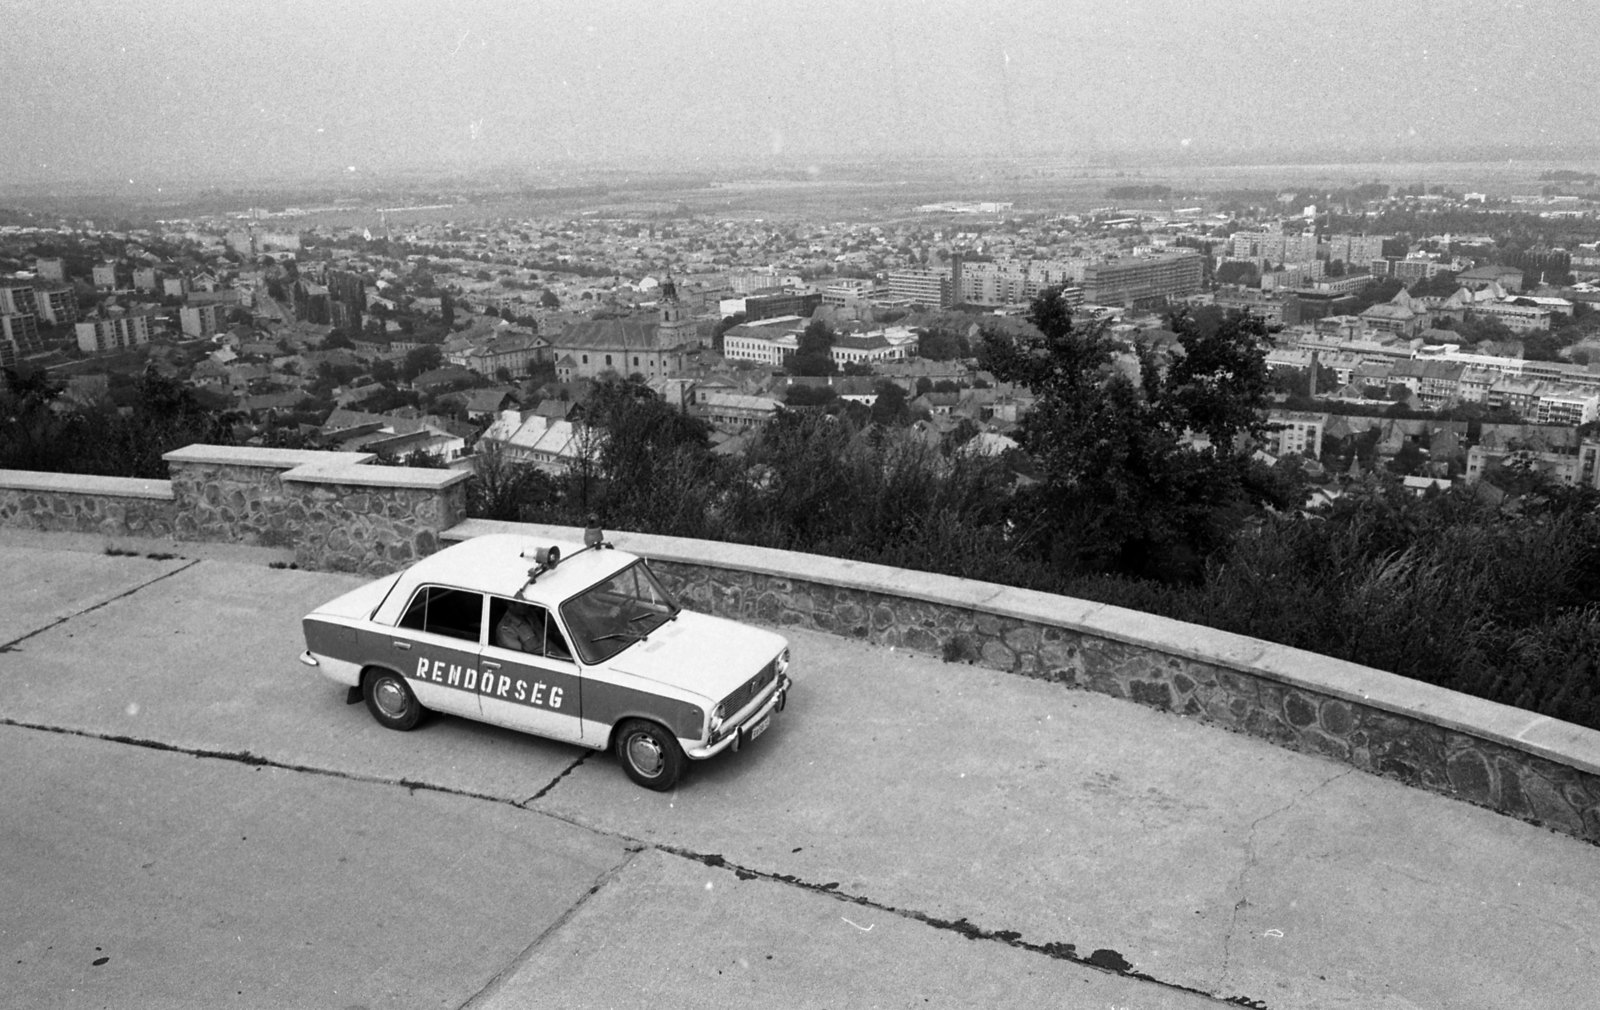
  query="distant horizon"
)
[
  {"x": 1360, "y": 166},
  {"x": 173, "y": 91}
]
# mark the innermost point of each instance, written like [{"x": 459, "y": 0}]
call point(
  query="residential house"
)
[{"x": 736, "y": 411}]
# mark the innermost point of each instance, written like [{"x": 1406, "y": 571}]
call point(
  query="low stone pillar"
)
[
  {"x": 371, "y": 519},
  {"x": 235, "y": 494}
]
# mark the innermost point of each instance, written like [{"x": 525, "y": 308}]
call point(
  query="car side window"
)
[
  {"x": 454, "y": 613},
  {"x": 526, "y": 627}
]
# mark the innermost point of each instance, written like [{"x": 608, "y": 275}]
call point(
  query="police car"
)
[{"x": 579, "y": 643}]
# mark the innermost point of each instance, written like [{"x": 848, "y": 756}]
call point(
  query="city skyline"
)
[{"x": 179, "y": 90}]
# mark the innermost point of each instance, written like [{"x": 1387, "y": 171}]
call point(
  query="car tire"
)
[
  {"x": 390, "y": 700},
  {"x": 649, "y": 754}
]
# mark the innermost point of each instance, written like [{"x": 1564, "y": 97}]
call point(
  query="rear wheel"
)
[
  {"x": 649, "y": 754},
  {"x": 390, "y": 700}
]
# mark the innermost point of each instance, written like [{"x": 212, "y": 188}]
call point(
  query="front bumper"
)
[{"x": 736, "y": 739}]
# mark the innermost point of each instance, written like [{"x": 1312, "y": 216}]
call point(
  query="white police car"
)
[{"x": 579, "y": 643}]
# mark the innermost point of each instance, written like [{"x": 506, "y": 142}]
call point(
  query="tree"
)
[
  {"x": 723, "y": 326},
  {"x": 890, "y": 406},
  {"x": 548, "y": 299},
  {"x": 815, "y": 353},
  {"x": 420, "y": 359},
  {"x": 1237, "y": 272},
  {"x": 940, "y": 344},
  {"x": 1120, "y": 491},
  {"x": 383, "y": 370}
]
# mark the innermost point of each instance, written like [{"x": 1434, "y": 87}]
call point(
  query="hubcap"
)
[
  {"x": 391, "y": 698},
  {"x": 645, "y": 755}
]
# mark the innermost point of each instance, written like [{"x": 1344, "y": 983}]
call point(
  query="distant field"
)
[{"x": 860, "y": 192}]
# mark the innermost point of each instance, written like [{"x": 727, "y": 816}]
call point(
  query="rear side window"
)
[{"x": 454, "y": 613}]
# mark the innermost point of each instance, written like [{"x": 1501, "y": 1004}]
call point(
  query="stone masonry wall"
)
[
  {"x": 233, "y": 503},
  {"x": 371, "y": 530},
  {"x": 107, "y": 513},
  {"x": 334, "y": 511},
  {"x": 1413, "y": 750}
]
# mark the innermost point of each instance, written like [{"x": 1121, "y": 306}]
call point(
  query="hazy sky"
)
[{"x": 165, "y": 88}]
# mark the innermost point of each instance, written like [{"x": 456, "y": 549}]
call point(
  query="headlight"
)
[
  {"x": 781, "y": 664},
  {"x": 716, "y": 719}
]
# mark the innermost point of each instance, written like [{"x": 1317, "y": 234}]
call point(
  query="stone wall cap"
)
[
  {"x": 1562, "y": 742},
  {"x": 251, "y": 455},
  {"x": 376, "y": 476},
  {"x": 87, "y": 484}
]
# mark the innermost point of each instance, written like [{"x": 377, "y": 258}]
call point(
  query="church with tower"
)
[{"x": 654, "y": 348}]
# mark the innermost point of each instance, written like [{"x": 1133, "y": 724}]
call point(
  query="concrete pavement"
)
[{"x": 899, "y": 809}]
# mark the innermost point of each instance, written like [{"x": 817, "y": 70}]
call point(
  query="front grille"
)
[{"x": 746, "y": 692}]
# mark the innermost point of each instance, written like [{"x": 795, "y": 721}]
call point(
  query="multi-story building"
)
[
  {"x": 1275, "y": 247},
  {"x": 1566, "y": 405},
  {"x": 1138, "y": 281},
  {"x": 1517, "y": 318},
  {"x": 847, "y": 292},
  {"x": 116, "y": 332},
  {"x": 52, "y": 268},
  {"x": 513, "y": 352},
  {"x": 18, "y": 297},
  {"x": 105, "y": 276},
  {"x": 769, "y": 341},
  {"x": 146, "y": 279},
  {"x": 1298, "y": 431},
  {"x": 174, "y": 287},
  {"x": 19, "y": 336},
  {"x": 1352, "y": 249},
  {"x": 736, "y": 411},
  {"x": 1408, "y": 270},
  {"x": 932, "y": 287},
  {"x": 869, "y": 347},
  {"x": 58, "y": 306},
  {"x": 781, "y": 303},
  {"x": 202, "y": 320}
]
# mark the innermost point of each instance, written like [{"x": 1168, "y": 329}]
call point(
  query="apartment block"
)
[
  {"x": 930, "y": 287},
  {"x": 17, "y": 298},
  {"x": 105, "y": 276},
  {"x": 113, "y": 333},
  {"x": 1142, "y": 280},
  {"x": 58, "y": 306},
  {"x": 202, "y": 320}
]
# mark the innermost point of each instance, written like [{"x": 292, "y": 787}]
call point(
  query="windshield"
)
[{"x": 611, "y": 616}]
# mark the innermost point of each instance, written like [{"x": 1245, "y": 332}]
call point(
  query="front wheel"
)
[
  {"x": 390, "y": 700},
  {"x": 649, "y": 754}
]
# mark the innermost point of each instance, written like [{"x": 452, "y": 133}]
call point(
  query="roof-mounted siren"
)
[{"x": 544, "y": 559}]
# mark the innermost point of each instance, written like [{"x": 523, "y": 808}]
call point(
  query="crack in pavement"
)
[
  {"x": 246, "y": 757},
  {"x": 1251, "y": 857},
  {"x": 501, "y": 977},
  {"x": 1102, "y": 959},
  {"x": 555, "y": 781},
  {"x": 11, "y": 646}
]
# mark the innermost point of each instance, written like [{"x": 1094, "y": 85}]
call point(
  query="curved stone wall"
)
[{"x": 1519, "y": 763}]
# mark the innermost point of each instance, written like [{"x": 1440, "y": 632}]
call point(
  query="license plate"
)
[{"x": 759, "y": 728}]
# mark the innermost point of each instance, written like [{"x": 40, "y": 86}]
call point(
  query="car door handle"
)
[
  {"x": 402, "y": 645},
  {"x": 487, "y": 665}
]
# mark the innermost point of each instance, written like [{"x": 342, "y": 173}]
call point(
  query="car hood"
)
[{"x": 708, "y": 655}]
